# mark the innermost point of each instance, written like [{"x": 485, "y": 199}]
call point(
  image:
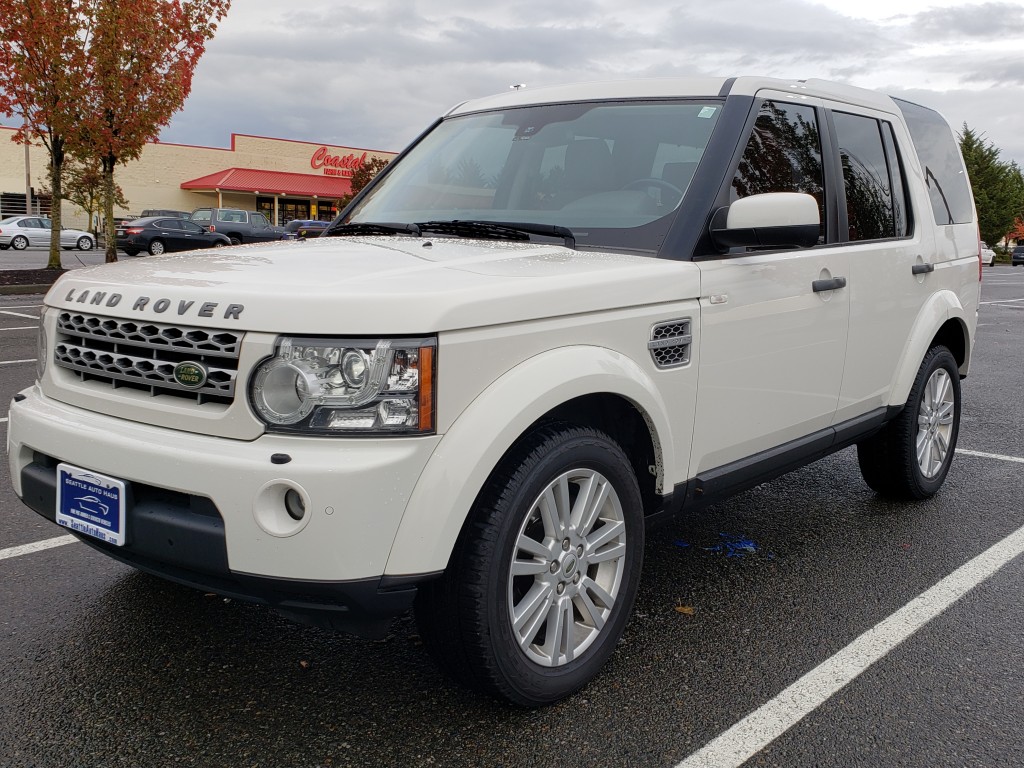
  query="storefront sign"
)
[{"x": 336, "y": 165}]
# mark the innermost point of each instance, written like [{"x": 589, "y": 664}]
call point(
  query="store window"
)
[{"x": 288, "y": 209}]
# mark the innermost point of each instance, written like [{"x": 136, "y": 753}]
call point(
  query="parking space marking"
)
[
  {"x": 16, "y": 362},
  {"x": 18, "y": 314},
  {"x": 984, "y": 455},
  {"x": 762, "y": 726},
  {"x": 1001, "y": 301},
  {"x": 20, "y": 328},
  {"x": 38, "y": 546}
]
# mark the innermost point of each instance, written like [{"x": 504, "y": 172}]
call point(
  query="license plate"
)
[
  {"x": 91, "y": 503},
  {"x": 120, "y": 233}
]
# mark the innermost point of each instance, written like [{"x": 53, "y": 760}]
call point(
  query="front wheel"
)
[
  {"x": 84, "y": 243},
  {"x": 545, "y": 572},
  {"x": 911, "y": 456}
]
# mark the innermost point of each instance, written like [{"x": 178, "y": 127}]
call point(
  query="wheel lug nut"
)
[
  {"x": 576, "y": 579},
  {"x": 566, "y": 545},
  {"x": 554, "y": 566},
  {"x": 579, "y": 551},
  {"x": 560, "y": 588}
]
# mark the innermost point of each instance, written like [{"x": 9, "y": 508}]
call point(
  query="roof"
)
[{"x": 271, "y": 183}]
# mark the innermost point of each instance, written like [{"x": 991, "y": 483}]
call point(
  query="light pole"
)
[{"x": 28, "y": 174}]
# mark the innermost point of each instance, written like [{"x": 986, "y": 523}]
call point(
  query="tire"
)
[
  {"x": 156, "y": 247},
  {"x": 911, "y": 456},
  {"x": 19, "y": 242},
  {"x": 130, "y": 251},
  {"x": 84, "y": 243},
  {"x": 585, "y": 570},
  {"x": 235, "y": 239}
]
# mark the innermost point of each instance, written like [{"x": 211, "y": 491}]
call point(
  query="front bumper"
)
[{"x": 202, "y": 511}]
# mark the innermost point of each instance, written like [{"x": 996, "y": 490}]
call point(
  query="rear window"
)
[{"x": 948, "y": 188}]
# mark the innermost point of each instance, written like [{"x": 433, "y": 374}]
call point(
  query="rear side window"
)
[
  {"x": 944, "y": 172},
  {"x": 871, "y": 178},
  {"x": 203, "y": 216},
  {"x": 783, "y": 154}
]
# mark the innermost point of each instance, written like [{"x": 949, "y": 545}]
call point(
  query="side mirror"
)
[{"x": 770, "y": 220}]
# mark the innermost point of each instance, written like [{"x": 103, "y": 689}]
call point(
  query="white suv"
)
[{"x": 559, "y": 316}]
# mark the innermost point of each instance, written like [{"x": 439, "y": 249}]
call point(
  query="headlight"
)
[{"x": 347, "y": 386}]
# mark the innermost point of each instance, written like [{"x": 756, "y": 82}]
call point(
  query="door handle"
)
[
  {"x": 828, "y": 285},
  {"x": 922, "y": 269}
]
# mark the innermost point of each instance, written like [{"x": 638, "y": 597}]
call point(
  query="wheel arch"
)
[
  {"x": 942, "y": 320},
  {"x": 585, "y": 386}
]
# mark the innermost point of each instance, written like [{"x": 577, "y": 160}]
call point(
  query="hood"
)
[{"x": 372, "y": 285}]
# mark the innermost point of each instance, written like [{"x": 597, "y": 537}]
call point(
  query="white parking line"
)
[
  {"x": 1001, "y": 301},
  {"x": 983, "y": 455},
  {"x": 20, "y": 328},
  {"x": 18, "y": 314},
  {"x": 38, "y": 546},
  {"x": 762, "y": 726},
  {"x": 15, "y": 362}
]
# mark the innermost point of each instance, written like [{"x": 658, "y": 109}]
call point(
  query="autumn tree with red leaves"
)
[
  {"x": 42, "y": 67},
  {"x": 141, "y": 78},
  {"x": 1017, "y": 233}
]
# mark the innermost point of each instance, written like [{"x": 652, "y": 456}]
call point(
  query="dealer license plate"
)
[{"x": 91, "y": 503}]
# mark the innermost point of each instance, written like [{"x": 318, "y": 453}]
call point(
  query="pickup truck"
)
[{"x": 240, "y": 226}]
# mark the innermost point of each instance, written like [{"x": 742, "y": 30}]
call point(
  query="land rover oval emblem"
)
[{"x": 190, "y": 375}]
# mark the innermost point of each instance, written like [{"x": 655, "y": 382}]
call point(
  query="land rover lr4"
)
[{"x": 560, "y": 315}]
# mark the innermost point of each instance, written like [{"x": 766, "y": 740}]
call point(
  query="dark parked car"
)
[
  {"x": 1017, "y": 255},
  {"x": 297, "y": 228},
  {"x": 164, "y": 212},
  {"x": 162, "y": 234}
]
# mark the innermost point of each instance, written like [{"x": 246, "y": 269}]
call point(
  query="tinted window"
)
[
  {"x": 944, "y": 173},
  {"x": 900, "y": 198},
  {"x": 259, "y": 220},
  {"x": 870, "y": 212},
  {"x": 201, "y": 215},
  {"x": 191, "y": 228},
  {"x": 783, "y": 154}
]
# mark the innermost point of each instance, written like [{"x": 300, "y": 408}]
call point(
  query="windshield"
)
[{"x": 612, "y": 173}]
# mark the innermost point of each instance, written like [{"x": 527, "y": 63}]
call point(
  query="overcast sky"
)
[{"x": 374, "y": 74}]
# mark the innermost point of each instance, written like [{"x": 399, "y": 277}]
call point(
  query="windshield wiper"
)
[
  {"x": 370, "y": 228},
  {"x": 498, "y": 230}
]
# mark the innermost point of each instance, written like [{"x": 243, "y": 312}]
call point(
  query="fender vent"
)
[{"x": 670, "y": 343}]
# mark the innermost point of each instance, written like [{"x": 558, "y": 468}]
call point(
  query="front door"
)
[{"x": 771, "y": 346}]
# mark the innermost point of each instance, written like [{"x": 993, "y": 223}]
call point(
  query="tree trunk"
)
[
  {"x": 108, "y": 163},
  {"x": 57, "y": 195}
]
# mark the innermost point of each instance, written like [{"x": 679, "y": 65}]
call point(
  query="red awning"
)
[{"x": 271, "y": 183}]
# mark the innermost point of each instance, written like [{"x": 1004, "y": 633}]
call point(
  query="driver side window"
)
[{"x": 783, "y": 154}]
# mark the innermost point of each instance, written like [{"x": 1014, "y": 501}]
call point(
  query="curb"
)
[{"x": 14, "y": 290}]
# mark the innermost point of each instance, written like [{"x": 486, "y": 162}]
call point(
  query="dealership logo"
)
[{"x": 190, "y": 375}]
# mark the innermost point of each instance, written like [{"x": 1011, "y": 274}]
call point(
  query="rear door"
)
[{"x": 772, "y": 346}]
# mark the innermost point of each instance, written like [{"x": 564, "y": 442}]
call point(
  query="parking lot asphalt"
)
[{"x": 844, "y": 630}]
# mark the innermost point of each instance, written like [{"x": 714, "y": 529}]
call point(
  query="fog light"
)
[{"x": 294, "y": 505}]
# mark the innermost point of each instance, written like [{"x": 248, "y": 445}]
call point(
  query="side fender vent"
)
[{"x": 670, "y": 343}]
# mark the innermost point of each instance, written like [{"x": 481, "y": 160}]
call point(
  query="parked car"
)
[
  {"x": 19, "y": 232},
  {"x": 162, "y": 234},
  {"x": 1017, "y": 255},
  {"x": 238, "y": 225},
  {"x": 988, "y": 256},
  {"x": 297, "y": 228}
]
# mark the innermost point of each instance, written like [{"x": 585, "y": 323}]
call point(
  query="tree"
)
[
  {"x": 140, "y": 80},
  {"x": 998, "y": 186},
  {"x": 362, "y": 176},
  {"x": 83, "y": 186},
  {"x": 43, "y": 68},
  {"x": 1017, "y": 232}
]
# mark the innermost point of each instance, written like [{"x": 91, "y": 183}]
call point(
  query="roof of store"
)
[{"x": 271, "y": 183}]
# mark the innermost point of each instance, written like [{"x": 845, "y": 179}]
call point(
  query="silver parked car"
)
[{"x": 19, "y": 232}]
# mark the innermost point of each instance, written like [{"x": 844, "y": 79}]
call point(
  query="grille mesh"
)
[
  {"x": 143, "y": 356},
  {"x": 670, "y": 343}
]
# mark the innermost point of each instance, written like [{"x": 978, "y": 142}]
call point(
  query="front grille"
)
[
  {"x": 143, "y": 356},
  {"x": 670, "y": 343}
]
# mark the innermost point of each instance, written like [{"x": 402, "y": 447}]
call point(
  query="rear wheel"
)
[
  {"x": 19, "y": 242},
  {"x": 130, "y": 251},
  {"x": 545, "y": 572},
  {"x": 911, "y": 456},
  {"x": 156, "y": 247}
]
